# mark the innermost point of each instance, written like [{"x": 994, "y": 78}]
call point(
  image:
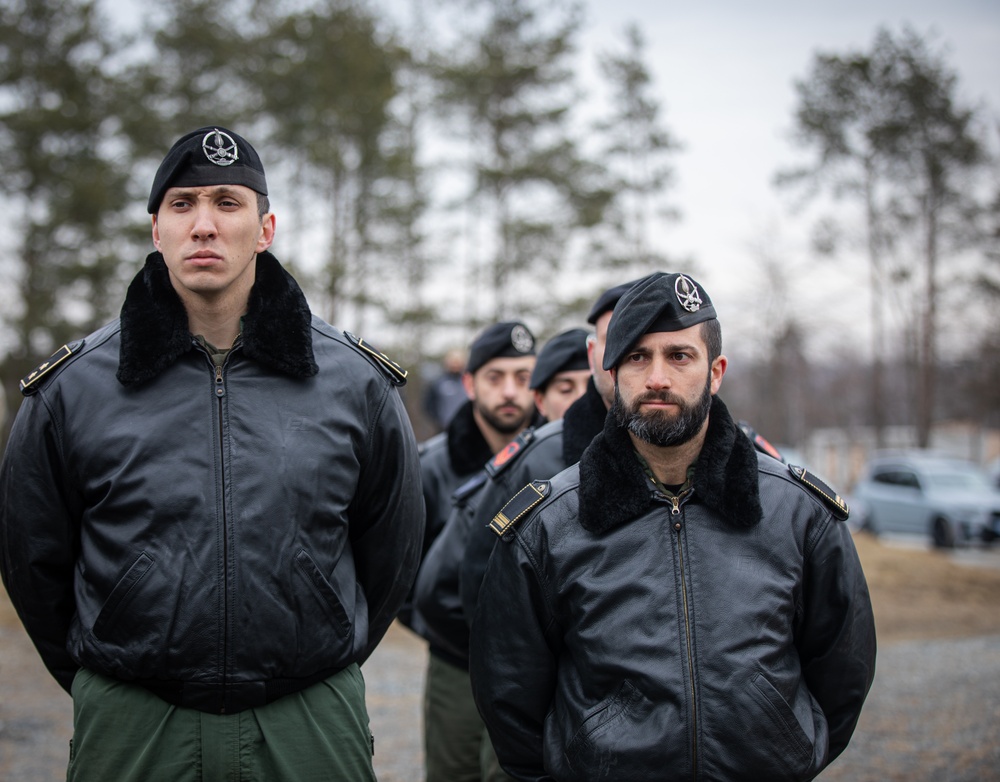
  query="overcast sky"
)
[{"x": 724, "y": 72}]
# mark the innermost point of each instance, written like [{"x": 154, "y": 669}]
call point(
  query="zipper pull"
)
[
  {"x": 676, "y": 502},
  {"x": 220, "y": 389}
]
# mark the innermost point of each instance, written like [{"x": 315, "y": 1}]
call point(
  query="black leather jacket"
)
[
  {"x": 223, "y": 536},
  {"x": 619, "y": 636},
  {"x": 453, "y": 567},
  {"x": 550, "y": 449}
]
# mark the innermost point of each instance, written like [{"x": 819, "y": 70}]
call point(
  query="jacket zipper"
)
[
  {"x": 678, "y": 526},
  {"x": 220, "y": 392}
]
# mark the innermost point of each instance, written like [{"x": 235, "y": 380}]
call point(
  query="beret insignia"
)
[
  {"x": 822, "y": 490},
  {"x": 393, "y": 370},
  {"x": 519, "y": 505},
  {"x": 29, "y": 384},
  {"x": 687, "y": 293}
]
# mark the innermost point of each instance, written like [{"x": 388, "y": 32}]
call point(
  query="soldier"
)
[
  {"x": 561, "y": 374},
  {"x": 500, "y": 406},
  {"x": 676, "y": 601},
  {"x": 211, "y": 507},
  {"x": 538, "y": 453}
]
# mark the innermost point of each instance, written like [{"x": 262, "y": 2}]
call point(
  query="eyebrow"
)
[
  {"x": 215, "y": 190},
  {"x": 686, "y": 347}
]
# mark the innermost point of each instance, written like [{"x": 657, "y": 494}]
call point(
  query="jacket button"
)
[{"x": 677, "y": 526}]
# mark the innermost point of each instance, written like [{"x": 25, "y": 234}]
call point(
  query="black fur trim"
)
[
  {"x": 468, "y": 450},
  {"x": 277, "y": 329},
  {"x": 583, "y": 421},
  {"x": 614, "y": 489},
  {"x": 154, "y": 325},
  {"x": 725, "y": 476}
]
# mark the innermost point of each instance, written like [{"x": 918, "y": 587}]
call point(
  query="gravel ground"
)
[{"x": 933, "y": 712}]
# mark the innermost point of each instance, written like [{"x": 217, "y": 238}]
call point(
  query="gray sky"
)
[{"x": 724, "y": 72}]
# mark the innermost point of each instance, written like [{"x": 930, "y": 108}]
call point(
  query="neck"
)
[
  {"x": 670, "y": 464},
  {"x": 217, "y": 322},
  {"x": 217, "y": 317}
]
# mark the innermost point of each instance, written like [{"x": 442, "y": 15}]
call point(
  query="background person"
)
[
  {"x": 561, "y": 373},
  {"x": 446, "y": 393},
  {"x": 499, "y": 406}
]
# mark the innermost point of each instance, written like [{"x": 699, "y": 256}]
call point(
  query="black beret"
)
[
  {"x": 501, "y": 340},
  {"x": 660, "y": 302},
  {"x": 563, "y": 353},
  {"x": 208, "y": 156},
  {"x": 607, "y": 300}
]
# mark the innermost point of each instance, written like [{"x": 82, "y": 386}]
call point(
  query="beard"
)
[
  {"x": 659, "y": 427},
  {"x": 505, "y": 423}
]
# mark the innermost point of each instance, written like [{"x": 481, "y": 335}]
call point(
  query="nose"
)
[
  {"x": 659, "y": 374},
  {"x": 204, "y": 224},
  {"x": 510, "y": 387}
]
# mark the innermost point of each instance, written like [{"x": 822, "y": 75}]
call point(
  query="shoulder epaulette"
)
[
  {"x": 519, "y": 505},
  {"x": 31, "y": 382},
  {"x": 822, "y": 490},
  {"x": 470, "y": 487},
  {"x": 392, "y": 370},
  {"x": 509, "y": 453}
]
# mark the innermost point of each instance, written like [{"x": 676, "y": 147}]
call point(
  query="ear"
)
[
  {"x": 467, "y": 384},
  {"x": 539, "y": 397},
  {"x": 267, "y": 227},
  {"x": 719, "y": 367},
  {"x": 156, "y": 235}
]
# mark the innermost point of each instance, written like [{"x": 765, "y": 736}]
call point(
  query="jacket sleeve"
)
[
  {"x": 480, "y": 543},
  {"x": 836, "y": 637},
  {"x": 387, "y": 517},
  {"x": 512, "y": 660},
  {"x": 436, "y": 595},
  {"x": 39, "y": 535}
]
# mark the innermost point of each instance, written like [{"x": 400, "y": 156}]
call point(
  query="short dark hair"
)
[
  {"x": 263, "y": 205},
  {"x": 711, "y": 332}
]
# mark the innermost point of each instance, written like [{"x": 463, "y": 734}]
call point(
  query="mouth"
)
[{"x": 203, "y": 258}]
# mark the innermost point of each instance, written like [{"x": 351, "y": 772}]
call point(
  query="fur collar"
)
[
  {"x": 277, "y": 328},
  {"x": 614, "y": 489},
  {"x": 468, "y": 450},
  {"x": 583, "y": 421}
]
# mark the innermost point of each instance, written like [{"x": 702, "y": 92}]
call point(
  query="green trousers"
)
[
  {"x": 456, "y": 744},
  {"x": 122, "y": 732}
]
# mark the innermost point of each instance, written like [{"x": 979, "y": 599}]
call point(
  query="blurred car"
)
[{"x": 949, "y": 499}]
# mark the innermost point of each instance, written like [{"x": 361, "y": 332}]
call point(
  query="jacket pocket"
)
[
  {"x": 594, "y": 750},
  {"x": 794, "y": 749},
  {"x": 121, "y": 595},
  {"x": 326, "y": 594}
]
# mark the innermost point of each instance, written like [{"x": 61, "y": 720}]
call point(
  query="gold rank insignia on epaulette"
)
[
  {"x": 396, "y": 373},
  {"x": 519, "y": 505},
  {"x": 30, "y": 382},
  {"x": 830, "y": 498}
]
